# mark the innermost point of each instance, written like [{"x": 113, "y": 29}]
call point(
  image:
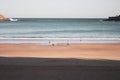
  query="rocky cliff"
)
[
  {"x": 2, "y": 18},
  {"x": 115, "y": 18}
]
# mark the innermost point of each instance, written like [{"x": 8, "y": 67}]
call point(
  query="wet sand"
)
[{"x": 60, "y": 62}]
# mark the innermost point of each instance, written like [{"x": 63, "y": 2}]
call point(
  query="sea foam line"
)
[
  {"x": 59, "y": 38},
  {"x": 51, "y": 41}
]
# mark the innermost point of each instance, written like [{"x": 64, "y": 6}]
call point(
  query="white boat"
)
[{"x": 11, "y": 19}]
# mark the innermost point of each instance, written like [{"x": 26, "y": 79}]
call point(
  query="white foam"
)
[
  {"x": 49, "y": 41},
  {"x": 11, "y": 19}
]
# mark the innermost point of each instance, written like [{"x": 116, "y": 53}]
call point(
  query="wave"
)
[
  {"x": 11, "y": 19},
  {"x": 60, "y": 38},
  {"x": 67, "y": 31},
  {"x": 49, "y": 41}
]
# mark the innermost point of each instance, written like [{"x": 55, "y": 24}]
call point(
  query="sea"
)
[{"x": 49, "y": 31}]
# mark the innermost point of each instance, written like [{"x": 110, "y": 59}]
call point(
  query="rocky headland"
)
[
  {"x": 114, "y": 18},
  {"x": 3, "y": 18}
]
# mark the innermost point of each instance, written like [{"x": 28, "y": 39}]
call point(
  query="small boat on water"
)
[{"x": 11, "y": 19}]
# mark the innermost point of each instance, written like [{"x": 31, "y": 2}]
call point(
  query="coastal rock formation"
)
[
  {"x": 2, "y": 18},
  {"x": 115, "y": 18}
]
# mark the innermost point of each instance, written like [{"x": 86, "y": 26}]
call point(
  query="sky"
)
[{"x": 59, "y": 8}]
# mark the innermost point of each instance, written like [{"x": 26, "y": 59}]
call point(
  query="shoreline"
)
[{"x": 59, "y": 41}]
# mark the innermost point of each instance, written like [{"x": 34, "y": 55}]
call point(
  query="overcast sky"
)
[{"x": 60, "y": 8}]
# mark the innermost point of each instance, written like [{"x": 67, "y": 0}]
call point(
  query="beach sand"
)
[
  {"x": 60, "y": 62},
  {"x": 88, "y": 51}
]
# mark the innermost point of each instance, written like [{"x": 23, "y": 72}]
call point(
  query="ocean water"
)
[{"x": 46, "y": 31}]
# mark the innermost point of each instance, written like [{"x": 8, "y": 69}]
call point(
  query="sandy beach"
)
[
  {"x": 60, "y": 62},
  {"x": 85, "y": 51}
]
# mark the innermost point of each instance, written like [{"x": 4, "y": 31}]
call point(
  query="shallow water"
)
[{"x": 64, "y": 30}]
